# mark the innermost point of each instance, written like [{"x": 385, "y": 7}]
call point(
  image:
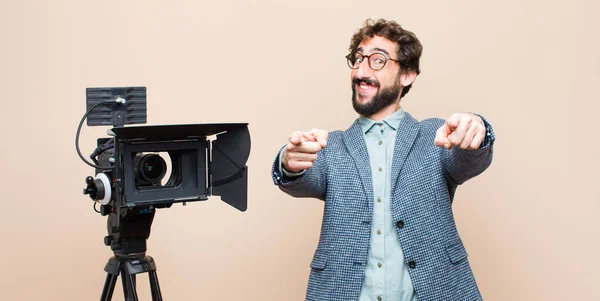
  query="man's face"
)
[{"x": 373, "y": 90}]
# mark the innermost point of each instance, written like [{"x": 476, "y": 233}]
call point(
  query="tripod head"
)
[{"x": 128, "y": 234}]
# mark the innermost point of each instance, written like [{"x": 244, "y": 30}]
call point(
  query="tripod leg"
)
[
  {"x": 128, "y": 281},
  {"x": 109, "y": 287},
  {"x": 125, "y": 285},
  {"x": 131, "y": 279},
  {"x": 154, "y": 287}
]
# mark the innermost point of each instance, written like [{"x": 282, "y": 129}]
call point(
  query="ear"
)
[{"x": 408, "y": 77}]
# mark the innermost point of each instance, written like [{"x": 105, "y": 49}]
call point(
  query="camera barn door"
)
[{"x": 229, "y": 172}]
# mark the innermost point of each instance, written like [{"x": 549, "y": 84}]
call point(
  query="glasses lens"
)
[
  {"x": 354, "y": 60},
  {"x": 377, "y": 61}
]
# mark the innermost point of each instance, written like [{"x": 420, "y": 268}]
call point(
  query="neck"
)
[{"x": 385, "y": 112}]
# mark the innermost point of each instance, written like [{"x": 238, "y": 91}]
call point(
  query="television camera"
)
[{"x": 139, "y": 169}]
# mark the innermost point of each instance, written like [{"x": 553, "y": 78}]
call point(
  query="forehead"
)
[{"x": 377, "y": 44}]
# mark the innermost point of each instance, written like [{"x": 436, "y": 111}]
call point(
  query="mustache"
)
[{"x": 367, "y": 81}]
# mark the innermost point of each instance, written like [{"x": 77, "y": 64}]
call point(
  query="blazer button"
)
[
  {"x": 412, "y": 264},
  {"x": 400, "y": 224}
]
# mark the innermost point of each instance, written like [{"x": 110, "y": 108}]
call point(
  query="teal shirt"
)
[{"x": 386, "y": 275}]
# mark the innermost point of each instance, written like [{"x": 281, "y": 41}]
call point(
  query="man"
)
[{"x": 388, "y": 183}]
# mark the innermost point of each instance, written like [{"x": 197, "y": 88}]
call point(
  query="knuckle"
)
[
  {"x": 313, "y": 147},
  {"x": 292, "y": 156},
  {"x": 481, "y": 128},
  {"x": 466, "y": 120}
]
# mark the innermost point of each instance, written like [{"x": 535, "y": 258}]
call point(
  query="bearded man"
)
[{"x": 388, "y": 183}]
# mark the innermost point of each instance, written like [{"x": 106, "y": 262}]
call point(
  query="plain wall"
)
[{"x": 530, "y": 222}]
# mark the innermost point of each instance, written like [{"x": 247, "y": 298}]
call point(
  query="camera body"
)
[
  {"x": 199, "y": 167},
  {"x": 142, "y": 168}
]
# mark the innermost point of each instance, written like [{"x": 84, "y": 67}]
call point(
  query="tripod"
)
[
  {"x": 128, "y": 266},
  {"x": 127, "y": 237}
]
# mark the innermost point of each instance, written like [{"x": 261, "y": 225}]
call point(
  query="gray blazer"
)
[{"x": 424, "y": 180}]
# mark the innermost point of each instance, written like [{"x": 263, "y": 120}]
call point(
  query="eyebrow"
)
[
  {"x": 376, "y": 49},
  {"x": 381, "y": 50}
]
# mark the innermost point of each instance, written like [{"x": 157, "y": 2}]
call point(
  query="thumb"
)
[
  {"x": 453, "y": 122},
  {"x": 441, "y": 136}
]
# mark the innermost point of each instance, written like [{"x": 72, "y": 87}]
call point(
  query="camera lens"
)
[{"x": 150, "y": 168}]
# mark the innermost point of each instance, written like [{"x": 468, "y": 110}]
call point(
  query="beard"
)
[{"x": 382, "y": 99}]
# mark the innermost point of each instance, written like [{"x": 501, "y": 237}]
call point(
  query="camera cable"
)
[{"x": 118, "y": 100}]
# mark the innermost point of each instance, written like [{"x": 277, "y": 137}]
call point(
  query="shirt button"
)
[
  {"x": 379, "y": 264},
  {"x": 380, "y": 142},
  {"x": 412, "y": 264},
  {"x": 378, "y": 200},
  {"x": 380, "y": 169},
  {"x": 380, "y": 124},
  {"x": 378, "y": 232},
  {"x": 379, "y": 298},
  {"x": 400, "y": 224}
]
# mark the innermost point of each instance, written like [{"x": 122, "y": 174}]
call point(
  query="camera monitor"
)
[{"x": 116, "y": 114}]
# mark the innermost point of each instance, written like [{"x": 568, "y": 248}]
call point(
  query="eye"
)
[{"x": 377, "y": 60}]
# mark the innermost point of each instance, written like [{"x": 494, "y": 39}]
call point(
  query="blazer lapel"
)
[
  {"x": 407, "y": 132},
  {"x": 355, "y": 143}
]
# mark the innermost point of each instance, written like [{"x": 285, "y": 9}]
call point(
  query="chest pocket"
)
[
  {"x": 319, "y": 260},
  {"x": 456, "y": 252}
]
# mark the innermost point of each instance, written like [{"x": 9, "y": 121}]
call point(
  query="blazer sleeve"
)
[
  {"x": 461, "y": 165},
  {"x": 311, "y": 184}
]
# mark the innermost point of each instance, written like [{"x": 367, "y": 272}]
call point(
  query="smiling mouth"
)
[
  {"x": 366, "y": 89},
  {"x": 365, "y": 85}
]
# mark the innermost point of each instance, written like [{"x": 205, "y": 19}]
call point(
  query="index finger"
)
[
  {"x": 320, "y": 136},
  {"x": 453, "y": 121},
  {"x": 297, "y": 137}
]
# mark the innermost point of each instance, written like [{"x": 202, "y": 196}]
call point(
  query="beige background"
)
[{"x": 530, "y": 223}]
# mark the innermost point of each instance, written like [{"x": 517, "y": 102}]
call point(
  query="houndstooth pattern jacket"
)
[{"x": 424, "y": 180}]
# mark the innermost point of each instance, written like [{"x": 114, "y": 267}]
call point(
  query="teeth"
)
[{"x": 365, "y": 86}]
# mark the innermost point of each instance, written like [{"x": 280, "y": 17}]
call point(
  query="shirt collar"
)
[{"x": 392, "y": 121}]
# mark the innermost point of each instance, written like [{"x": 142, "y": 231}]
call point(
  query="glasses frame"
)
[{"x": 369, "y": 60}]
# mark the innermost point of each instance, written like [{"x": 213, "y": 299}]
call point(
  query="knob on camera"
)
[{"x": 99, "y": 189}]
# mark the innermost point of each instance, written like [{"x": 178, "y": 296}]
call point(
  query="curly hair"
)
[{"x": 409, "y": 47}]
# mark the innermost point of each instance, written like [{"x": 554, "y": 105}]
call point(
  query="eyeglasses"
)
[{"x": 376, "y": 60}]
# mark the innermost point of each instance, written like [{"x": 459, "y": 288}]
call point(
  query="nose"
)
[{"x": 363, "y": 70}]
